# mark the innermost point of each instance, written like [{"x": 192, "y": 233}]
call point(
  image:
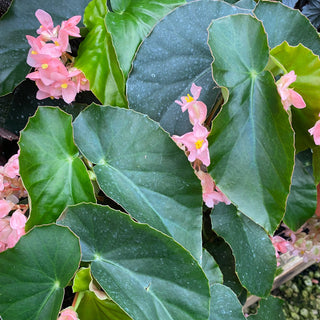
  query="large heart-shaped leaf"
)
[
  {"x": 141, "y": 168},
  {"x": 50, "y": 168},
  {"x": 34, "y": 273},
  {"x": 224, "y": 304},
  {"x": 257, "y": 276},
  {"x": 148, "y": 274},
  {"x": 174, "y": 56},
  {"x": 16, "y": 24},
  {"x": 285, "y": 24},
  {"x": 98, "y": 60},
  {"x": 254, "y": 172},
  {"x": 130, "y": 21},
  {"x": 306, "y": 66},
  {"x": 302, "y": 200}
]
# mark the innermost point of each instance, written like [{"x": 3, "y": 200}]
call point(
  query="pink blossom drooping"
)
[
  {"x": 196, "y": 142},
  {"x": 197, "y": 109},
  {"x": 315, "y": 132},
  {"x": 54, "y": 73},
  {"x": 289, "y": 96},
  {"x": 68, "y": 314}
]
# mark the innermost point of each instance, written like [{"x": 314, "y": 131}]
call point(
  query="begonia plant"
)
[{"x": 161, "y": 146}]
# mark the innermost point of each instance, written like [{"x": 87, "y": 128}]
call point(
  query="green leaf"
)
[
  {"x": 306, "y": 66},
  {"x": 98, "y": 60},
  {"x": 302, "y": 200},
  {"x": 270, "y": 308},
  {"x": 170, "y": 59},
  {"x": 50, "y": 168},
  {"x": 249, "y": 242},
  {"x": 141, "y": 168},
  {"x": 148, "y": 274},
  {"x": 34, "y": 273},
  {"x": 285, "y": 24},
  {"x": 17, "y": 23},
  {"x": 316, "y": 164},
  {"x": 211, "y": 268},
  {"x": 246, "y": 4},
  {"x": 91, "y": 307},
  {"x": 129, "y": 23},
  {"x": 252, "y": 170},
  {"x": 224, "y": 304}
]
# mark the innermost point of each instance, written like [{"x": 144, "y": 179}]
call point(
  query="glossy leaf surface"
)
[
  {"x": 34, "y": 273},
  {"x": 257, "y": 276},
  {"x": 51, "y": 170},
  {"x": 270, "y": 308},
  {"x": 306, "y": 66},
  {"x": 170, "y": 59},
  {"x": 302, "y": 200},
  {"x": 148, "y": 274},
  {"x": 224, "y": 304},
  {"x": 98, "y": 60},
  {"x": 254, "y": 172},
  {"x": 141, "y": 168},
  {"x": 130, "y": 21}
]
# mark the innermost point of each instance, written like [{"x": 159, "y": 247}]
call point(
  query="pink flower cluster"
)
[
  {"x": 68, "y": 314},
  {"x": 54, "y": 73},
  {"x": 195, "y": 144},
  {"x": 280, "y": 246},
  {"x": 11, "y": 189},
  {"x": 289, "y": 96}
]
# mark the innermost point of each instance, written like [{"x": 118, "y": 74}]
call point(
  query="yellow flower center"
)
[
  {"x": 64, "y": 86},
  {"x": 44, "y": 66},
  {"x": 34, "y": 52},
  {"x": 198, "y": 144},
  {"x": 57, "y": 43},
  {"x": 189, "y": 98}
]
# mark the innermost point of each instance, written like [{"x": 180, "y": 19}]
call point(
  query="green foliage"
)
[
  {"x": 50, "y": 166},
  {"x": 130, "y": 259},
  {"x": 243, "y": 161},
  {"x": 34, "y": 273},
  {"x": 170, "y": 59},
  {"x": 140, "y": 167},
  {"x": 302, "y": 200},
  {"x": 256, "y": 276}
]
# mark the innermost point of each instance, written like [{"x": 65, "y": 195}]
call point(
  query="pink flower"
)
[
  {"x": 210, "y": 193},
  {"x": 289, "y": 96},
  {"x": 196, "y": 143},
  {"x": 70, "y": 28},
  {"x": 46, "y": 30},
  {"x": 68, "y": 314},
  {"x": 5, "y": 207},
  {"x": 11, "y": 168},
  {"x": 197, "y": 110},
  {"x": 315, "y": 132}
]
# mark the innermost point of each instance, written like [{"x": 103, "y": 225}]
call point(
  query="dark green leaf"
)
[
  {"x": 17, "y": 23},
  {"x": 285, "y": 24},
  {"x": 148, "y": 274},
  {"x": 249, "y": 242},
  {"x": 224, "y": 304},
  {"x": 141, "y": 168},
  {"x": 130, "y": 21},
  {"x": 210, "y": 268},
  {"x": 34, "y": 273},
  {"x": 312, "y": 12},
  {"x": 174, "y": 56},
  {"x": 254, "y": 172},
  {"x": 316, "y": 164},
  {"x": 51, "y": 170},
  {"x": 270, "y": 308},
  {"x": 98, "y": 60},
  {"x": 302, "y": 200}
]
